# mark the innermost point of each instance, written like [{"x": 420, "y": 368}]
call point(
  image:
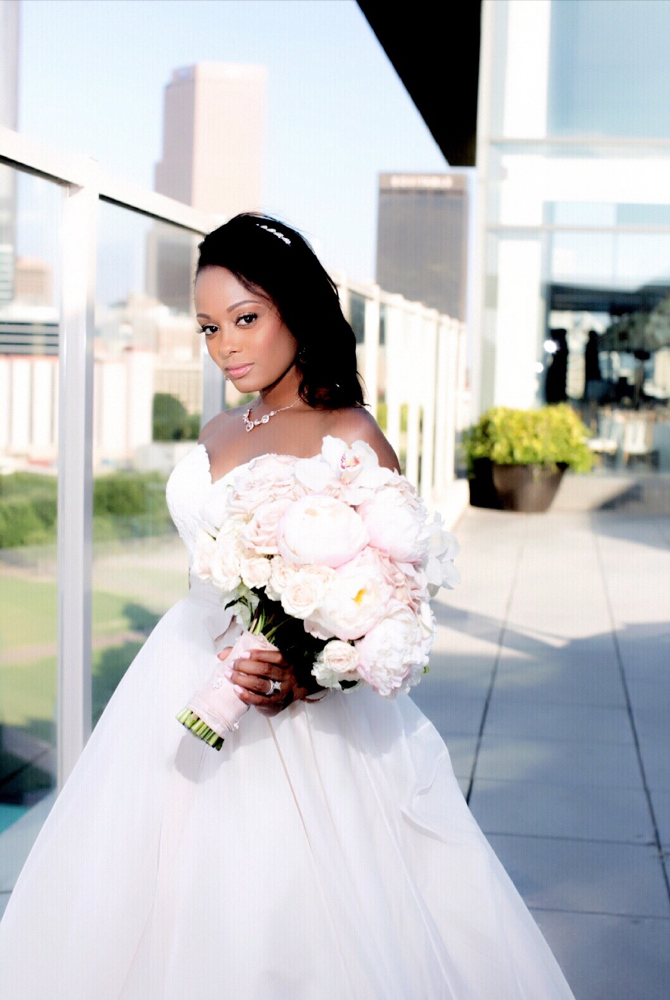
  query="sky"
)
[{"x": 92, "y": 75}]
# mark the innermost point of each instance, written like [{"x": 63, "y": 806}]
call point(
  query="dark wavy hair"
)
[{"x": 256, "y": 249}]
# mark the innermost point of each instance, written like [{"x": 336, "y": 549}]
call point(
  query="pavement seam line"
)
[
  {"x": 489, "y": 693},
  {"x": 629, "y": 709}
]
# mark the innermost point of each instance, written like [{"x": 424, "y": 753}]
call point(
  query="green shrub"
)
[
  {"x": 542, "y": 436},
  {"x": 171, "y": 420},
  {"x": 125, "y": 505},
  {"x": 19, "y": 523},
  {"x": 119, "y": 493}
]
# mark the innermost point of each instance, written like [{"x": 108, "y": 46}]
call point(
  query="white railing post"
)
[
  {"x": 371, "y": 340},
  {"x": 412, "y": 353},
  {"x": 429, "y": 355},
  {"x": 442, "y": 402},
  {"x": 395, "y": 319},
  {"x": 75, "y": 473},
  {"x": 463, "y": 400},
  {"x": 451, "y": 378}
]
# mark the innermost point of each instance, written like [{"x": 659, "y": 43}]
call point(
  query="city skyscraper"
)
[
  {"x": 422, "y": 239},
  {"x": 213, "y": 137},
  {"x": 213, "y": 145}
]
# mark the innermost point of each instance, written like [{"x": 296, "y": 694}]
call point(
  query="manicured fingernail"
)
[
  {"x": 240, "y": 690},
  {"x": 246, "y": 655}
]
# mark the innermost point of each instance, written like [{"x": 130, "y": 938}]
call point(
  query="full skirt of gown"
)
[{"x": 325, "y": 853}]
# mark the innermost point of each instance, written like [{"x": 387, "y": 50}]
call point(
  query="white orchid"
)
[
  {"x": 443, "y": 547},
  {"x": 351, "y": 472}
]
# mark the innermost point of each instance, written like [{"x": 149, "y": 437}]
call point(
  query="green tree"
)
[{"x": 171, "y": 421}]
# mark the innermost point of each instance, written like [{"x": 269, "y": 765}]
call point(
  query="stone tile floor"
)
[{"x": 550, "y": 684}]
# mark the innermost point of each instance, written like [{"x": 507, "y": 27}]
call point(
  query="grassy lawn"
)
[{"x": 131, "y": 593}]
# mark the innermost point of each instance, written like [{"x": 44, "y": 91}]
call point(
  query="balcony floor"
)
[{"x": 550, "y": 684}]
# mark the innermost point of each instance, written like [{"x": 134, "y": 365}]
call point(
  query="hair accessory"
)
[{"x": 275, "y": 231}]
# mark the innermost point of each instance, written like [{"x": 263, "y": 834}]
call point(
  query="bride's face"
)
[{"x": 242, "y": 328}]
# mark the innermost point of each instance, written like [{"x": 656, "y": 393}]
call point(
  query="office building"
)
[
  {"x": 213, "y": 147},
  {"x": 422, "y": 238}
]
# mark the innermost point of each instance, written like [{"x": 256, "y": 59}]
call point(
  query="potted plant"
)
[{"x": 516, "y": 458}]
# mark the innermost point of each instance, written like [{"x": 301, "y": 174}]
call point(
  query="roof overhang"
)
[{"x": 435, "y": 52}]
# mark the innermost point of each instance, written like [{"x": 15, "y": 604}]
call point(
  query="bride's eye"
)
[
  {"x": 204, "y": 330},
  {"x": 248, "y": 317}
]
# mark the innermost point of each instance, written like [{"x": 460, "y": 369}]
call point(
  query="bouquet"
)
[{"x": 334, "y": 560}]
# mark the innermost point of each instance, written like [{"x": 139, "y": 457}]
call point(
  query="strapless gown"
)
[{"x": 325, "y": 853}]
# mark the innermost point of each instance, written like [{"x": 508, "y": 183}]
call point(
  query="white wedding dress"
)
[{"x": 324, "y": 853}]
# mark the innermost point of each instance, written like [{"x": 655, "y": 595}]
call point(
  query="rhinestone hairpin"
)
[{"x": 275, "y": 231}]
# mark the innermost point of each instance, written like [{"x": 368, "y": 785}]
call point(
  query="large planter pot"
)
[
  {"x": 482, "y": 491},
  {"x": 529, "y": 489}
]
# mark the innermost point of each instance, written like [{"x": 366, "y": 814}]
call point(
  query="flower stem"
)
[{"x": 200, "y": 728}]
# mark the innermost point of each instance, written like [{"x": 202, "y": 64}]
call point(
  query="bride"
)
[{"x": 326, "y": 851}]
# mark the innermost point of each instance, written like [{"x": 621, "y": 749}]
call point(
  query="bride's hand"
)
[{"x": 251, "y": 673}]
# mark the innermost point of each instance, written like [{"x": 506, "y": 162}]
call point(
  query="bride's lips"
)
[{"x": 240, "y": 371}]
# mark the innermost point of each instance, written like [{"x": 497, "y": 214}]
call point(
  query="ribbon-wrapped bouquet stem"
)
[{"x": 333, "y": 560}]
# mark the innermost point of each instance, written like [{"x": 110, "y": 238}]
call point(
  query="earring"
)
[{"x": 302, "y": 354}]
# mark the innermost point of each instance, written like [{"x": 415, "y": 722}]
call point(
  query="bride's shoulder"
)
[
  {"x": 219, "y": 423},
  {"x": 356, "y": 423}
]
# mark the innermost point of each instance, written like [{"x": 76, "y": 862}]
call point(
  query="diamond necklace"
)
[{"x": 250, "y": 424}]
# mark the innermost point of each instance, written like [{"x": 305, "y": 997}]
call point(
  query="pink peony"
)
[
  {"x": 396, "y": 523},
  {"x": 355, "y": 599},
  {"x": 390, "y": 650},
  {"x": 322, "y": 530}
]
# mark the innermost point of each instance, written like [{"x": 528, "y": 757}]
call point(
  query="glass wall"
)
[
  {"x": 609, "y": 69},
  {"x": 610, "y": 292},
  {"x": 147, "y": 402},
  {"x": 576, "y": 287},
  {"x": 30, "y": 220}
]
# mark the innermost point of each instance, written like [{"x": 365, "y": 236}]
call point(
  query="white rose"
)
[
  {"x": 336, "y": 662},
  {"x": 225, "y": 563},
  {"x": 303, "y": 592},
  {"x": 260, "y": 532},
  {"x": 280, "y": 572},
  {"x": 254, "y": 569},
  {"x": 395, "y": 521}
]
